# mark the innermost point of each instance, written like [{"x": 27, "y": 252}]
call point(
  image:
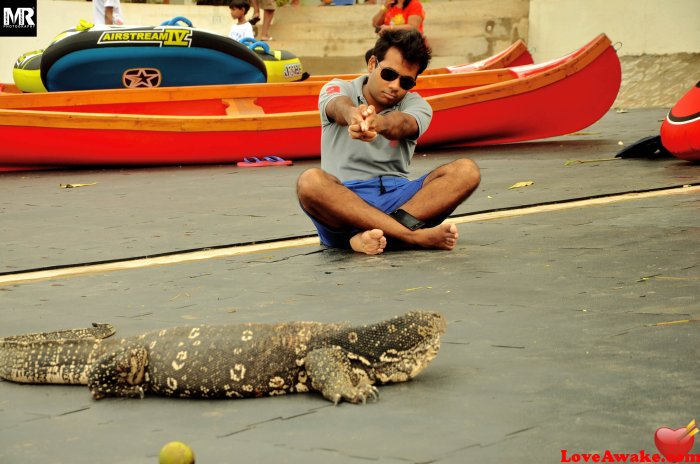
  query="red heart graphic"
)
[{"x": 673, "y": 444}]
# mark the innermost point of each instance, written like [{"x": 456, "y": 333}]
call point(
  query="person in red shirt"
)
[{"x": 399, "y": 14}]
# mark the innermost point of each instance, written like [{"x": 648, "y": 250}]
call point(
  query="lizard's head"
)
[{"x": 398, "y": 349}]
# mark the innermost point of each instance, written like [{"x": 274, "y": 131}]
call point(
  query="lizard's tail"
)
[{"x": 52, "y": 357}]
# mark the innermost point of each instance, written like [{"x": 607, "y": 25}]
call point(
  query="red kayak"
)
[{"x": 224, "y": 124}]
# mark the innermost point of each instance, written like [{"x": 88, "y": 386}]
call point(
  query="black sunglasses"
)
[{"x": 390, "y": 75}]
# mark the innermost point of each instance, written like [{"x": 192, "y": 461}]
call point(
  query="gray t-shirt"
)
[{"x": 350, "y": 159}]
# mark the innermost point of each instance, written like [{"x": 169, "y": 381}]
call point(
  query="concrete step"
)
[
  {"x": 471, "y": 29},
  {"x": 325, "y": 49},
  {"x": 315, "y": 65}
]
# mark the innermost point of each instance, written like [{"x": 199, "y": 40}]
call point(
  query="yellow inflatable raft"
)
[{"x": 29, "y": 76}]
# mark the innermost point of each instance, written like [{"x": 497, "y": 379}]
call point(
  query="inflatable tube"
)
[
  {"x": 27, "y": 69},
  {"x": 27, "y": 72},
  {"x": 680, "y": 131},
  {"x": 177, "y": 19},
  {"x": 110, "y": 57},
  {"x": 281, "y": 65}
]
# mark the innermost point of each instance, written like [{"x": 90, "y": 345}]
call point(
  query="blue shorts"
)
[{"x": 397, "y": 191}]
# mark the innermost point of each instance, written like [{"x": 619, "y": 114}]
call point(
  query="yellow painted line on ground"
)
[
  {"x": 34, "y": 276},
  {"x": 573, "y": 204}
]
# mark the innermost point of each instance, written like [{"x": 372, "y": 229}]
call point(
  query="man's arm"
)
[
  {"x": 356, "y": 118},
  {"x": 364, "y": 123},
  {"x": 342, "y": 111},
  {"x": 395, "y": 125}
]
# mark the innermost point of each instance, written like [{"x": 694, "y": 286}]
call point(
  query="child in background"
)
[
  {"x": 107, "y": 12},
  {"x": 241, "y": 28}
]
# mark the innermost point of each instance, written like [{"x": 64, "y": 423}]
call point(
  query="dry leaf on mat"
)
[{"x": 518, "y": 185}]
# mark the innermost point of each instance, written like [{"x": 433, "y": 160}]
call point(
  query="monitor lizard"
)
[{"x": 338, "y": 360}]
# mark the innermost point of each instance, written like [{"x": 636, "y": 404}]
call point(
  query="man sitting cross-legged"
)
[{"x": 361, "y": 198}]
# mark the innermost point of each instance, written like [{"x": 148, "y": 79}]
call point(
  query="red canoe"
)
[
  {"x": 224, "y": 124},
  {"x": 680, "y": 131}
]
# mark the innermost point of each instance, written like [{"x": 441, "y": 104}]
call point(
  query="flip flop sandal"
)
[
  {"x": 252, "y": 162},
  {"x": 277, "y": 161}
]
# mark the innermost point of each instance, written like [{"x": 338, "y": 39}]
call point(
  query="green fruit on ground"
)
[{"x": 176, "y": 452}]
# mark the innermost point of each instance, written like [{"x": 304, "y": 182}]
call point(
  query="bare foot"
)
[
  {"x": 442, "y": 237},
  {"x": 371, "y": 242}
]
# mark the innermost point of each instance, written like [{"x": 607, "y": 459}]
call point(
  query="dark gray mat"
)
[
  {"x": 566, "y": 333},
  {"x": 139, "y": 212}
]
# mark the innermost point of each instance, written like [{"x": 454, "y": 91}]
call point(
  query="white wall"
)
[{"x": 655, "y": 27}]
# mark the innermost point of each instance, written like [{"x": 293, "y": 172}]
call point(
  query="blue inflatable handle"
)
[
  {"x": 265, "y": 47},
  {"x": 175, "y": 20},
  {"x": 248, "y": 40}
]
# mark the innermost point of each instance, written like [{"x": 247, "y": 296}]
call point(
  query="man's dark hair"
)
[
  {"x": 410, "y": 43},
  {"x": 245, "y": 4}
]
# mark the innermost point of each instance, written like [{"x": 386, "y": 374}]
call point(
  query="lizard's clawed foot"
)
[{"x": 359, "y": 394}]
